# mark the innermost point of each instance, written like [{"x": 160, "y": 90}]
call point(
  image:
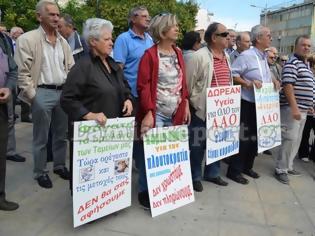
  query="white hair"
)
[
  {"x": 256, "y": 32},
  {"x": 43, "y": 3},
  {"x": 15, "y": 29},
  {"x": 93, "y": 28}
]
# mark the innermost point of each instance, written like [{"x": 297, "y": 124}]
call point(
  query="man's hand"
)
[
  {"x": 257, "y": 83},
  {"x": 296, "y": 114},
  {"x": 276, "y": 84},
  {"x": 4, "y": 95}
]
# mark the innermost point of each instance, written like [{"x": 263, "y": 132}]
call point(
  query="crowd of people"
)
[{"x": 59, "y": 77}]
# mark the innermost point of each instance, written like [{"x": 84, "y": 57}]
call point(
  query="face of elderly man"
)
[
  {"x": 264, "y": 38},
  {"x": 232, "y": 38},
  {"x": 141, "y": 19},
  {"x": 49, "y": 16},
  {"x": 271, "y": 57},
  {"x": 17, "y": 33},
  {"x": 221, "y": 37},
  {"x": 303, "y": 47},
  {"x": 244, "y": 43},
  {"x": 64, "y": 29}
]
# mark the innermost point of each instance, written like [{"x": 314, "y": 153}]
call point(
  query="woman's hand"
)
[
  {"x": 147, "y": 123},
  {"x": 98, "y": 117},
  {"x": 127, "y": 109},
  {"x": 187, "y": 116}
]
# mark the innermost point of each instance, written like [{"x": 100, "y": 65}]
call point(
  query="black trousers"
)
[
  {"x": 304, "y": 150},
  {"x": 244, "y": 160},
  {"x": 3, "y": 147}
]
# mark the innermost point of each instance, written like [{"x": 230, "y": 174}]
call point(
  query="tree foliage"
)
[{"x": 22, "y": 12}]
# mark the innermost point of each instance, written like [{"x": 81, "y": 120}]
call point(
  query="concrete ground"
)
[{"x": 264, "y": 207}]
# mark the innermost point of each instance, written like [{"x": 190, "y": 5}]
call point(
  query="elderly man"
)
[
  {"x": 242, "y": 44},
  {"x": 7, "y": 79},
  {"x": 231, "y": 41},
  {"x": 44, "y": 58},
  {"x": 275, "y": 68},
  {"x": 250, "y": 69},
  {"x": 296, "y": 100},
  {"x": 128, "y": 49},
  {"x": 67, "y": 29},
  {"x": 207, "y": 67}
]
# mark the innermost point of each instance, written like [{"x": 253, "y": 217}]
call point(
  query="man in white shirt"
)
[{"x": 44, "y": 58}]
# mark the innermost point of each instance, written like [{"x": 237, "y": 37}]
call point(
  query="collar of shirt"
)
[
  {"x": 262, "y": 55},
  {"x": 45, "y": 35},
  {"x": 134, "y": 35}
]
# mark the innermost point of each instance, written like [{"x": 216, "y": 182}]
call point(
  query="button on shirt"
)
[
  {"x": 52, "y": 70},
  {"x": 246, "y": 66},
  {"x": 128, "y": 50}
]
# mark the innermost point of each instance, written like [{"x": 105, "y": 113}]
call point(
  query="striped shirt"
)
[
  {"x": 297, "y": 73},
  {"x": 221, "y": 73}
]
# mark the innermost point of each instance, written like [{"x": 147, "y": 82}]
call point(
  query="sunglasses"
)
[{"x": 224, "y": 34}]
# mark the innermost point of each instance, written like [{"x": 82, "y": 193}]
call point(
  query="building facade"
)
[{"x": 287, "y": 23}]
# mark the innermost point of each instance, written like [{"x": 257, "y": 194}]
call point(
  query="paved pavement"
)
[{"x": 264, "y": 207}]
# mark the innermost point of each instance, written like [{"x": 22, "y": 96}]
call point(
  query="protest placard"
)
[
  {"x": 168, "y": 168},
  {"x": 268, "y": 117},
  {"x": 223, "y": 122},
  {"x": 102, "y": 164}
]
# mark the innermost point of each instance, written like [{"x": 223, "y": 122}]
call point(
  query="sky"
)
[{"x": 238, "y": 14}]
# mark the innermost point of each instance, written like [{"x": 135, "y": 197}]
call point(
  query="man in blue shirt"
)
[
  {"x": 130, "y": 46},
  {"x": 128, "y": 49}
]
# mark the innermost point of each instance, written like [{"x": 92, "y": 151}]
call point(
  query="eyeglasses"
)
[
  {"x": 164, "y": 14},
  {"x": 144, "y": 16},
  {"x": 224, "y": 34}
]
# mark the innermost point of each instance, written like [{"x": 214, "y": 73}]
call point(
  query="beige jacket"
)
[
  {"x": 199, "y": 73},
  {"x": 28, "y": 56}
]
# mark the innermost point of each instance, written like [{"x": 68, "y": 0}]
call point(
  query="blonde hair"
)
[{"x": 160, "y": 24}]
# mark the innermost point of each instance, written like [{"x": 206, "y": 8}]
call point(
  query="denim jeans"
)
[
  {"x": 160, "y": 121},
  {"x": 197, "y": 145}
]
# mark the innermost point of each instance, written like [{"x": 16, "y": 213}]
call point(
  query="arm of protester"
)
[
  {"x": 120, "y": 51},
  {"x": 144, "y": 82},
  {"x": 192, "y": 68},
  {"x": 24, "y": 60},
  {"x": 289, "y": 77},
  {"x": 289, "y": 93},
  {"x": 98, "y": 117},
  {"x": 239, "y": 66},
  {"x": 276, "y": 84},
  {"x": 72, "y": 91}
]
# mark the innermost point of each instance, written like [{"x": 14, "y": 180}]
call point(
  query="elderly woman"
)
[
  {"x": 95, "y": 88},
  {"x": 161, "y": 86}
]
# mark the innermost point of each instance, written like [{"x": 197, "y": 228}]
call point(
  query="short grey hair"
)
[
  {"x": 256, "y": 32},
  {"x": 15, "y": 29},
  {"x": 43, "y": 3},
  {"x": 68, "y": 19},
  {"x": 133, "y": 12},
  {"x": 93, "y": 28}
]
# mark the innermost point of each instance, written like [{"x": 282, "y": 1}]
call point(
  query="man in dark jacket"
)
[{"x": 7, "y": 79}]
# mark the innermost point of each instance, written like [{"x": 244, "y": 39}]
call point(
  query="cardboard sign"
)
[
  {"x": 168, "y": 168},
  {"x": 102, "y": 164},
  {"x": 268, "y": 117},
  {"x": 223, "y": 122}
]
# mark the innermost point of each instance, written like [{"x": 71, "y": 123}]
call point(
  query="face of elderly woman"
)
[
  {"x": 171, "y": 34},
  {"x": 104, "y": 45}
]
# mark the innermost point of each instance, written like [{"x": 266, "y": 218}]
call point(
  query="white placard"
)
[
  {"x": 223, "y": 122},
  {"x": 168, "y": 168},
  {"x": 102, "y": 164}
]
